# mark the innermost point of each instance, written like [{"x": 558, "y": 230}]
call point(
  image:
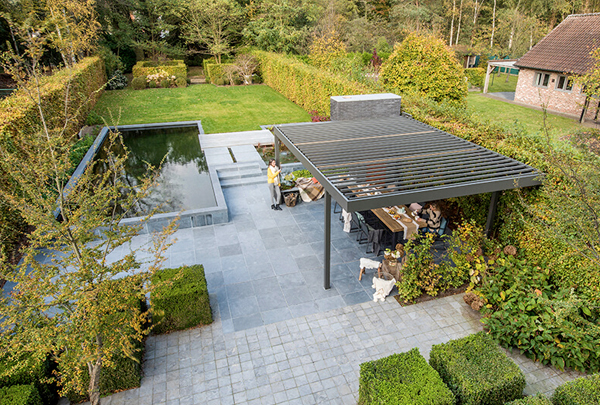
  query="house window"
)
[
  {"x": 541, "y": 79},
  {"x": 564, "y": 83}
]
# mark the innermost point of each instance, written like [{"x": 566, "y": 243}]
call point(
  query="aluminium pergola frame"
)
[{"x": 370, "y": 164}]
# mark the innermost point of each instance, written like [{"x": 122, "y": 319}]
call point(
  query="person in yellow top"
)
[{"x": 273, "y": 181}]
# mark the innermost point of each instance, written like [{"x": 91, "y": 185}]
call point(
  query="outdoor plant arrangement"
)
[
  {"x": 551, "y": 325},
  {"x": 477, "y": 371},
  {"x": 402, "y": 379},
  {"x": 465, "y": 251},
  {"x": 289, "y": 180},
  {"x": 419, "y": 272}
]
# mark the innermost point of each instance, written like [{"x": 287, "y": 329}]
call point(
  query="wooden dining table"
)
[{"x": 392, "y": 224}]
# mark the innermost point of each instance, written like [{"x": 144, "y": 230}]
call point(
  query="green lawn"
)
[
  {"x": 499, "y": 84},
  {"x": 221, "y": 109},
  {"x": 508, "y": 114}
]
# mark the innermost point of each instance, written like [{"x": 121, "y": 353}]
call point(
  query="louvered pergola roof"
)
[{"x": 369, "y": 164}]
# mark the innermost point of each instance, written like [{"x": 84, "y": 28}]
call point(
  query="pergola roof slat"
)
[{"x": 408, "y": 160}]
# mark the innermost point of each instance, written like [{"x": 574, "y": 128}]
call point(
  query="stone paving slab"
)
[
  {"x": 313, "y": 359},
  {"x": 229, "y": 139}
]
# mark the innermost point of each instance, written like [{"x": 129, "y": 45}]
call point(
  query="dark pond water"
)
[{"x": 184, "y": 182}]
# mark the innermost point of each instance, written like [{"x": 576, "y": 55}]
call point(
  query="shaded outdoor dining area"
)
[{"x": 377, "y": 169}]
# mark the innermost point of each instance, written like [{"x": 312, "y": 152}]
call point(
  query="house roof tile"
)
[{"x": 567, "y": 47}]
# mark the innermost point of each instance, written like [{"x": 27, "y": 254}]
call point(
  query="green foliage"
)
[
  {"x": 477, "y": 371},
  {"x": 36, "y": 373},
  {"x": 426, "y": 66},
  {"x": 152, "y": 84},
  {"x": 180, "y": 82},
  {"x": 175, "y": 68},
  {"x": 117, "y": 81},
  {"x": 20, "y": 395},
  {"x": 165, "y": 83},
  {"x": 538, "y": 399},
  {"x": 214, "y": 72},
  {"x": 124, "y": 372},
  {"x": 112, "y": 62},
  {"x": 475, "y": 76},
  {"x": 139, "y": 83},
  {"x": 419, "y": 272},
  {"x": 525, "y": 310},
  {"x": 305, "y": 85},
  {"x": 325, "y": 50},
  {"x": 582, "y": 391},
  {"x": 465, "y": 251},
  {"x": 182, "y": 300},
  {"x": 402, "y": 379},
  {"x": 19, "y": 116}
]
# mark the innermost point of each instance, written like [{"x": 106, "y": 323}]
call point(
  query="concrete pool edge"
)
[{"x": 186, "y": 219}]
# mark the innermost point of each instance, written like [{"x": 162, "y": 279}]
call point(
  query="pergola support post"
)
[
  {"x": 491, "y": 213},
  {"x": 327, "y": 239},
  {"x": 487, "y": 77},
  {"x": 277, "y": 145}
]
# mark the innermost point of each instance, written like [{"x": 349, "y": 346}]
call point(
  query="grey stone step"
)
[
  {"x": 238, "y": 174},
  {"x": 243, "y": 182}
]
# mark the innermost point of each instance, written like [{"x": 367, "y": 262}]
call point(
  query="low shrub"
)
[
  {"x": 172, "y": 68},
  {"x": 181, "y": 82},
  {"x": 139, "y": 83},
  {"x": 582, "y": 391},
  {"x": 477, "y": 371},
  {"x": 538, "y": 399},
  {"x": 182, "y": 302},
  {"x": 475, "y": 76},
  {"x": 402, "y": 379},
  {"x": 165, "y": 83},
  {"x": 219, "y": 82},
  {"x": 152, "y": 84},
  {"x": 117, "y": 81},
  {"x": 20, "y": 395},
  {"x": 37, "y": 373}
]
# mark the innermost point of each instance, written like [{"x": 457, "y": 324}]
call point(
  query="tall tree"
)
[
  {"x": 71, "y": 305},
  {"x": 212, "y": 23}
]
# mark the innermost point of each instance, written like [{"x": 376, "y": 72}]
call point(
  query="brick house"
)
[{"x": 546, "y": 68}]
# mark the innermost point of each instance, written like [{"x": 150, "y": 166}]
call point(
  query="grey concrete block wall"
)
[{"x": 365, "y": 106}]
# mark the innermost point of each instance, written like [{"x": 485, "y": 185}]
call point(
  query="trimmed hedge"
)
[
  {"x": 32, "y": 376},
  {"x": 582, "y": 391},
  {"x": 305, "y": 85},
  {"x": 538, "y": 399},
  {"x": 183, "y": 303},
  {"x": 214, "y": 71},
  {"x": 19, "y": 118},
  {"x": 173, "y": 68},
  {"x": 477, "y": 371},
  {"x": 20, "y": 395},
  {"x": 402, "y": 379}
]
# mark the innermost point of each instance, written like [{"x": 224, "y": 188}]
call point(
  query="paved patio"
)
[{"x": 278, "y": 337}]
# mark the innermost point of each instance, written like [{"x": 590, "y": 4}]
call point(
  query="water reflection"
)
[{"x": 183, "y": 182}]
